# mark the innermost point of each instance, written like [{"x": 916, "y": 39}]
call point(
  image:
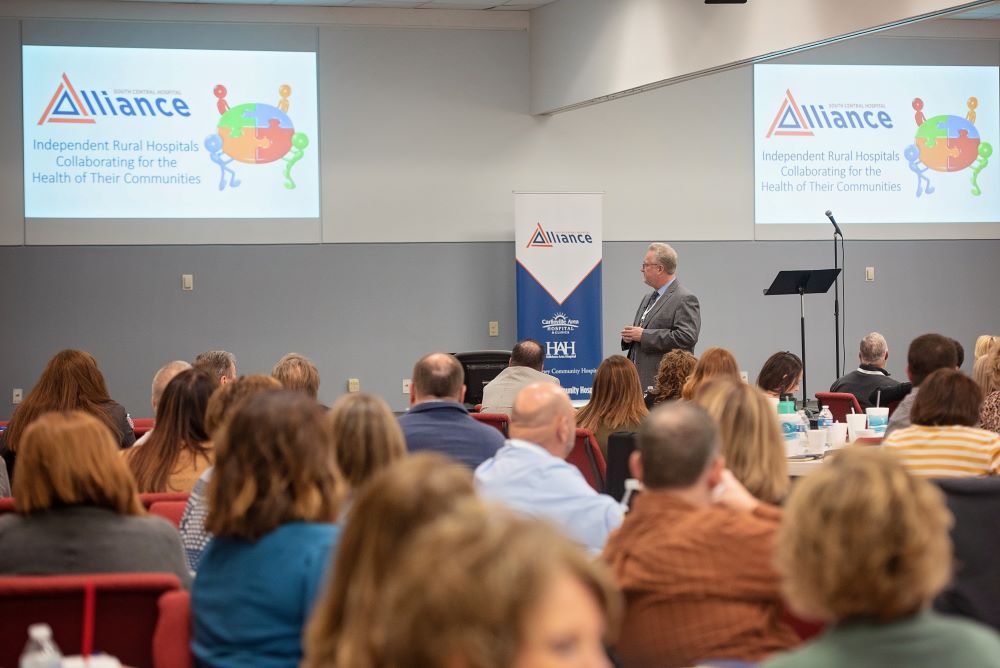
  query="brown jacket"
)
[{"x": 698, "y": 583}]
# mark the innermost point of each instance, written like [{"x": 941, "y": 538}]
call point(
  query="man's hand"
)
[
  {"x": 732, "y": 494},
  {"x": 631, "y": 334}
]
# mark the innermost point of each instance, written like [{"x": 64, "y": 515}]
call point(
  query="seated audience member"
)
[
  {"x": 179, "y": 450},
  {"x": 870, "y": 376},
  {"x": 220, "y": 365},
  {"x": 989, "y": 383},
  {"x": 297, "y": 372},
  {"x": 398, "y": 501},
  {"x": 943, "y": 441},
  {"x": 78, "y": 509},
  {"x": 527, "y": 361},
  {"x": 615, "y": 401},
  {"x": 927, "y": 353},
  {"x": 515, "y": 594},
  {"x": 985, "y": 344},
  {"x": 437, "y": 421},
  {"x": 713, "y": 362},
  {"x": 693, "y": 557},
  {"x": 752, "y": 442},
  {"x": 165, "y": 374},
  {"x": 780, "y": 375},
  {"x": 959, "y": 352},
  {"x": 220, "y": 408},
  {"x": 272, "y": 501},
  {"x": 530, "y": 473},
  {"x": 864, "y": 547},
  {"x": 70, "y": 381},
  {"x": 675, "y": 369},
  {"x": 365, "y": 437}
]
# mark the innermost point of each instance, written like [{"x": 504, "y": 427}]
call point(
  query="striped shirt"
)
[{"x": 946, "y": 452}]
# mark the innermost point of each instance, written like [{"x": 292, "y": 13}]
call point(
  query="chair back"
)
[
  {"x": 172, "y": 637},
  {"x": 621, "y": 444},
  {"x": 974, "y": 591},
  {"x": 499, "y": 420},
  {"x": 172, "y": 511},
  {"x": 840, "y": 404},
  {"x": 586, "y": 455},
  {"x": 149, "y": 498},
  {"x": 109, "y": 612},
  {"x": 6, "y": 505},
  {"x": 141, "y": 425}
]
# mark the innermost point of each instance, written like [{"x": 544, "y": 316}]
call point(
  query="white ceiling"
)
[{"x": 521, "y": 5}]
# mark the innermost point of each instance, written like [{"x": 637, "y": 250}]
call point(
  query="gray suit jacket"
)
[
  {"x": 674, "y": 322},
  {"x": 499, "y": 393}
]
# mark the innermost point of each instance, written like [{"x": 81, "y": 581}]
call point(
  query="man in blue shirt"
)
[
  {"x": 437, "y": 421},
  {"x": 531, "y": 475}
]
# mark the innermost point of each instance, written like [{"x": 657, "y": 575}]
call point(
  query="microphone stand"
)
[{"x": 836, "y": 304}]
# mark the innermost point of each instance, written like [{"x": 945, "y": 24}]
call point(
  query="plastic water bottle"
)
[
  {"x": 40, "y": 651},
  {"x": 802, "y": 431},
  {"x": 789, "y": 426},
  {"x": 825, "y": 421}
]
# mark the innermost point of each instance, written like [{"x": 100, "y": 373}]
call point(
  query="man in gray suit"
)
[
  {"x": 668, "y": 318},
  {"x": 526, "y": 363}
]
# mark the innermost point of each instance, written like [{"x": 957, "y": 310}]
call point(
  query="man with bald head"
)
[
  {"x": 437, "y": 421},
  {"x": 530, "y": 473},
  {"x": 160, "y": 380}
]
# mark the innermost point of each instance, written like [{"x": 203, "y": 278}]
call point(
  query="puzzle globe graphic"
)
[
  {"x": 256, "y": 133},
  {"x": 947, "y": 143}
]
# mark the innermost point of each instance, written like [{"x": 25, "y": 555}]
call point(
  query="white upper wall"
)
[{"x": 584, "y": 50}]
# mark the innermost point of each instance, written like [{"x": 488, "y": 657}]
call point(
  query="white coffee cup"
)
[
  {"x": 816, "y": 441},
  {"x": 837, "y": 434},
  {"x": 878, "y": 419},
  {"x": 855, "y": 422}
]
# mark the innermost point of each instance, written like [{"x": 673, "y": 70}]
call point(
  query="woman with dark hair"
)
[
  {"x": 780, "y": 375},
  {"x": 273, "y": 500},
  {"x": 70, "y": 381},
  {"x": 179, "y": 450},
  {"x": 77, "y": 507},
  {"x": 943, "y": 441},
  {"x": 615, "y": 401}
]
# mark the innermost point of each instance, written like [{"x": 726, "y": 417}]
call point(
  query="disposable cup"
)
[
  {"x": 878, "y": 419},
  {"x": 816, "y": 441},
  {"x": 855, "y": 422},
  {"x": 837, "y": 434}
]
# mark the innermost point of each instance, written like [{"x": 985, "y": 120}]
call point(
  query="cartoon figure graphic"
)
[
  {"x": 214, "y": 145},
  {"x": 257, "y": 133},
  {"x": 946, "y": 143},
  {"x": 985, "y": 151}
]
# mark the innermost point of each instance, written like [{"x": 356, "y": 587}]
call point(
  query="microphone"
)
[{"x": 836, "y": 227}]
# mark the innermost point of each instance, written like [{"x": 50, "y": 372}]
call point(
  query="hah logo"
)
[
  {"x": 65, "y": 106},
  {"x": 542, "y": 239},
  {"x": 797, "y": 120},
  {"x": 565, "y": 350},
  {"x": 560, "y": 324}
]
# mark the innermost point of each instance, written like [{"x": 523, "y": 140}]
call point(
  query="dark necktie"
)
[{"x": 649, "y": 305}]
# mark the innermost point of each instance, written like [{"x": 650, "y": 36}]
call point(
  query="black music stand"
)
[{"x": 803, "y": 282}]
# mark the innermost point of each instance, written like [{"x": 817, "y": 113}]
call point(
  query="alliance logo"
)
[
  {"x": 797, "y": 120},
  {"x": 542, "y": 239},
  {"x": 560, "y": 324},
  {"x": 68, "y": 106}
]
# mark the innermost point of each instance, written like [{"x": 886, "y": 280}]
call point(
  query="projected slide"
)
[
  {"x": 161, "y": 133},
  {"x": 876, "y": 144}
]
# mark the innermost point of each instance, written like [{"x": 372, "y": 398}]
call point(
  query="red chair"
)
[
  {"x": 6, "y": 506},
  {"x": 172, "y": 637},
  {"x": 172, "y": 511},
  {"x": 141, "y": 425},
  {"x": 114, "y": 613},
  {"x": 586, "y": 455},
  {"x": 149, "y": 498},
  {"x": 499, "y": 420},
  {"x": 840, "y": 404}
]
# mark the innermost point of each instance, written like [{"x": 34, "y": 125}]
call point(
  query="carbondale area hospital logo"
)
[{"x": 560, "y": 324}]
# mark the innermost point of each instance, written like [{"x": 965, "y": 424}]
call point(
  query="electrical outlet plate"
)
[
  {"x": 494, "y": 328},
  {"x": 406, "y": 386},
  {"x": 17, "y": 395},
  {"x": 353, "y": 384},
  {"x": 187, "y": 282},
  {"x": 869, "y": 274}
]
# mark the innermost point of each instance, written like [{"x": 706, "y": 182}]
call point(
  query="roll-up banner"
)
[{"x": 559, "y": 245}]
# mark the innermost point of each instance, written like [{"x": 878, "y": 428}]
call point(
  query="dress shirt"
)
[
  {"x": 698, "y": 583},
  {"x": 446, "y": 427},
  {"x": 499, "y": 393},
  {"x": 529, "y": 479}
]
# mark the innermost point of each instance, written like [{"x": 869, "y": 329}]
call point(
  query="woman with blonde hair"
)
[
  {"x": 515, "y": 594},
  {"x": 988, "y": 368},
  {"x": 675, "y": 369},
  {"x": 752, "y": 442},
  {"x": 272, "y": 501},
  {"x": 615, "y": 401},
  {"x": 78, "y": 509},
  {"x": 365, "y": 435},
  {"x": 70, "y": 381},
  {"x": 387, "y": 512},
  {"x": 179, "y": 449},
  {"x": 713, "y": 362},
  {"x": 864, "y": 547},
  {"x": 985, "y": 344}
]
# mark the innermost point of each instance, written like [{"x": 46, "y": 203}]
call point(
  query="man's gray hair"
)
[
  {"x": 216, "y": 363},
  {"x": 678, "y": 441},
  {"x": 164, "y": 376},
  {"x": 873, "y": 348},
  {"x": 665, "y": 256}
]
